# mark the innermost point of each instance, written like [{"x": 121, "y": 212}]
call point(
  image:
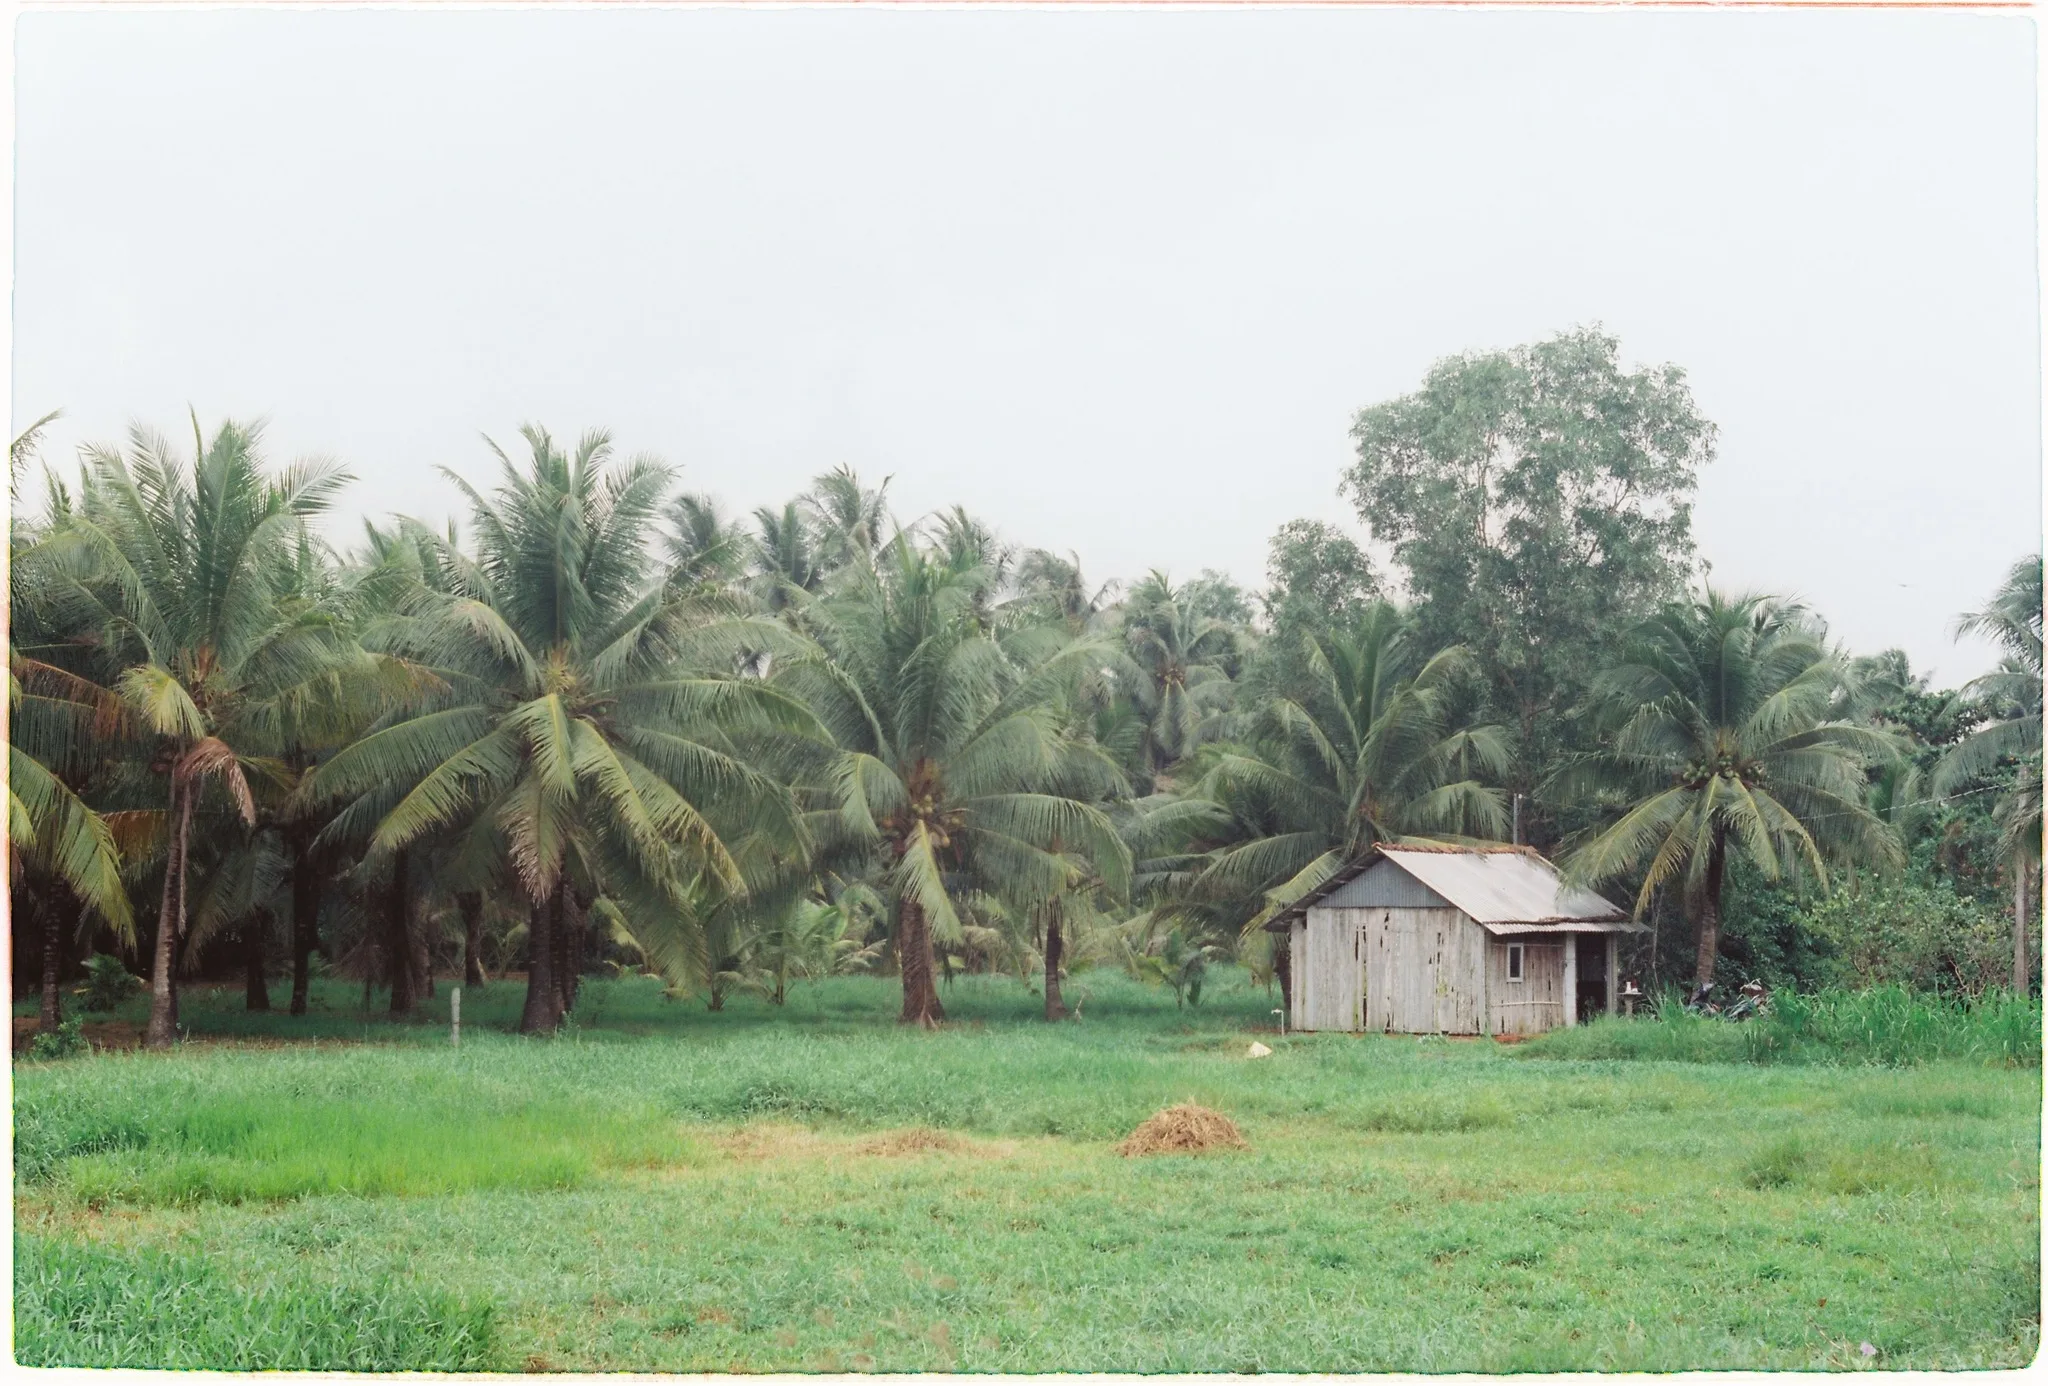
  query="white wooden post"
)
[
  {"x": 455, "y": 1016},
  {"x": 1571, "y": 979},
  {"x": 1613, "y": 974}
]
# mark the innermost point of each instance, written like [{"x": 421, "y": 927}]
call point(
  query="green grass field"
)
[{"x": 811, "y": 1189}]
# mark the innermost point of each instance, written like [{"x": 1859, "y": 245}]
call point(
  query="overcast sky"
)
[{"x": 1116, "y": 281}]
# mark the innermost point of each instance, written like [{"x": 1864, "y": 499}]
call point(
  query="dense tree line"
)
[{"x": 601, "y": 723}]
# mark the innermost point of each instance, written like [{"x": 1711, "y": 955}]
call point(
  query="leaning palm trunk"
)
[
  {"x": 914, "y": 953},
  {"x": 163, "y": 997}
]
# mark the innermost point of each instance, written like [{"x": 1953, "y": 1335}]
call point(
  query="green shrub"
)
[
  {"x": 108, "y": 983},
  {"x": 1910, "y": 933},
  {"x": 68, "y": 1042},
  {"x": 84, "y": 1306}
]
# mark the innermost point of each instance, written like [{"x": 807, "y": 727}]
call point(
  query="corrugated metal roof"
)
[
  {"x": 1494, "y": 884},
  {"x": 1572, "y": 926},
  {"x": 1503, "y": 887}
]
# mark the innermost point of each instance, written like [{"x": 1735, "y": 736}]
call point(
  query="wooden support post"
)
[
  {"x": 455, "y": 1016},
  {"x": 1571, "y": 979},
  {"x": 1613, "y": 974}
]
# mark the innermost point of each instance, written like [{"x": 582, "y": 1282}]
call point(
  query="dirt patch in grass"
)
[
  {"x": 918, "y": 1140},
  {"x": 82, "y": 1223},
  {"x": 772, "y": 1140},
  {"x": 103, "y": 1034},
  {"x": 783, "y": 1141},
  {"x": 1185, "y": 1129}
]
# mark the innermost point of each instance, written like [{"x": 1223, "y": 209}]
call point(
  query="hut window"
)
[{"x": 1514, "y": 962}]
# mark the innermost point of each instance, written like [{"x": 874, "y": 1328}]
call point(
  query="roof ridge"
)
[{"x": 1457, "y": 849}]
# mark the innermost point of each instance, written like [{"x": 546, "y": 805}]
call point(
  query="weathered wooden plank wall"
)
[
  {"x": 1400, "y": 970},
  {"x": 1298, "y": 972},
  {"x": 1536, "y": 1002}
]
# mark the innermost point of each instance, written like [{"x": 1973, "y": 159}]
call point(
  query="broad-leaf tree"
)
[{"x": 1538, "y": 503}]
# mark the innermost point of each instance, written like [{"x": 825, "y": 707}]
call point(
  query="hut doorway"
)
[{"x": 1592, "y": 975}]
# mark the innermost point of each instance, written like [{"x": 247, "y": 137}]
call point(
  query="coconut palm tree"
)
[
  {"x": 60, "y": 722},
  {"x": 577, "y": 723},
  {"x": 786, "y": 566},
  {"x": 1052, "y": 588},
  {"x": 2013, "y": 622},
  {"x": 847, "y": 519},
  {"x": 1716, "y": 739},
  {"x": 950, "y": 771},
  {"x": 1369, "y": 746},
  {"x": 1176, "y": 674},
  {"x": 175, "y": 569},
  {"x": 703, "y": 546}
]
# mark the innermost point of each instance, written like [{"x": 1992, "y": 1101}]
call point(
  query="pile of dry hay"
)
[{"x": 1185, "y": 1129}]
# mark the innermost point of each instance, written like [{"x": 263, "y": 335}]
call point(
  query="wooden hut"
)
[{"x": 1451, "y": 941}]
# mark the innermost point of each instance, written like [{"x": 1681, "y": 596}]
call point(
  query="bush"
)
[
  {"x": 68, "y": 1041},
  {"x": 1913, "y": 934},
  {"x": 108, "y": 983}
]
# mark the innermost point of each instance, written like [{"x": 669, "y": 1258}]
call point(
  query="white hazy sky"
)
[{"x": 1117, "y": 281}]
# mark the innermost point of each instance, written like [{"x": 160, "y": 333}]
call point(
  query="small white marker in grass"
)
[{"x": 455, "y": 1016}]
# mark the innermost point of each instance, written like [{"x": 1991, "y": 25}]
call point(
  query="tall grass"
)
[
  {"x": 129, "y": 1130},
  {"x": 83, "y": 1306},
  {"x": 1888, "y": 1025},
  {"x": 1407, "y": 1204}
]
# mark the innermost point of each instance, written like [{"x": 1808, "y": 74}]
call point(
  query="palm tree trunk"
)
[
  {"x": 471, "y": 905},
  {"x": 543, "y": 1004},
  {"x": 163, "y": 999},
  {"x": 914, "y": 954},
  {"x": 398, "y": 922},
  {"x": 255, "y": 990},
  {"x": 568, "y": 949},
  {"x": 1710, "y": 910},
  {"x": 305, "y": 918},
  {"x": 1055, "y": 949},
  {"x": 53, "y": 940},
  {"x": 2022, "y": 911}
]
